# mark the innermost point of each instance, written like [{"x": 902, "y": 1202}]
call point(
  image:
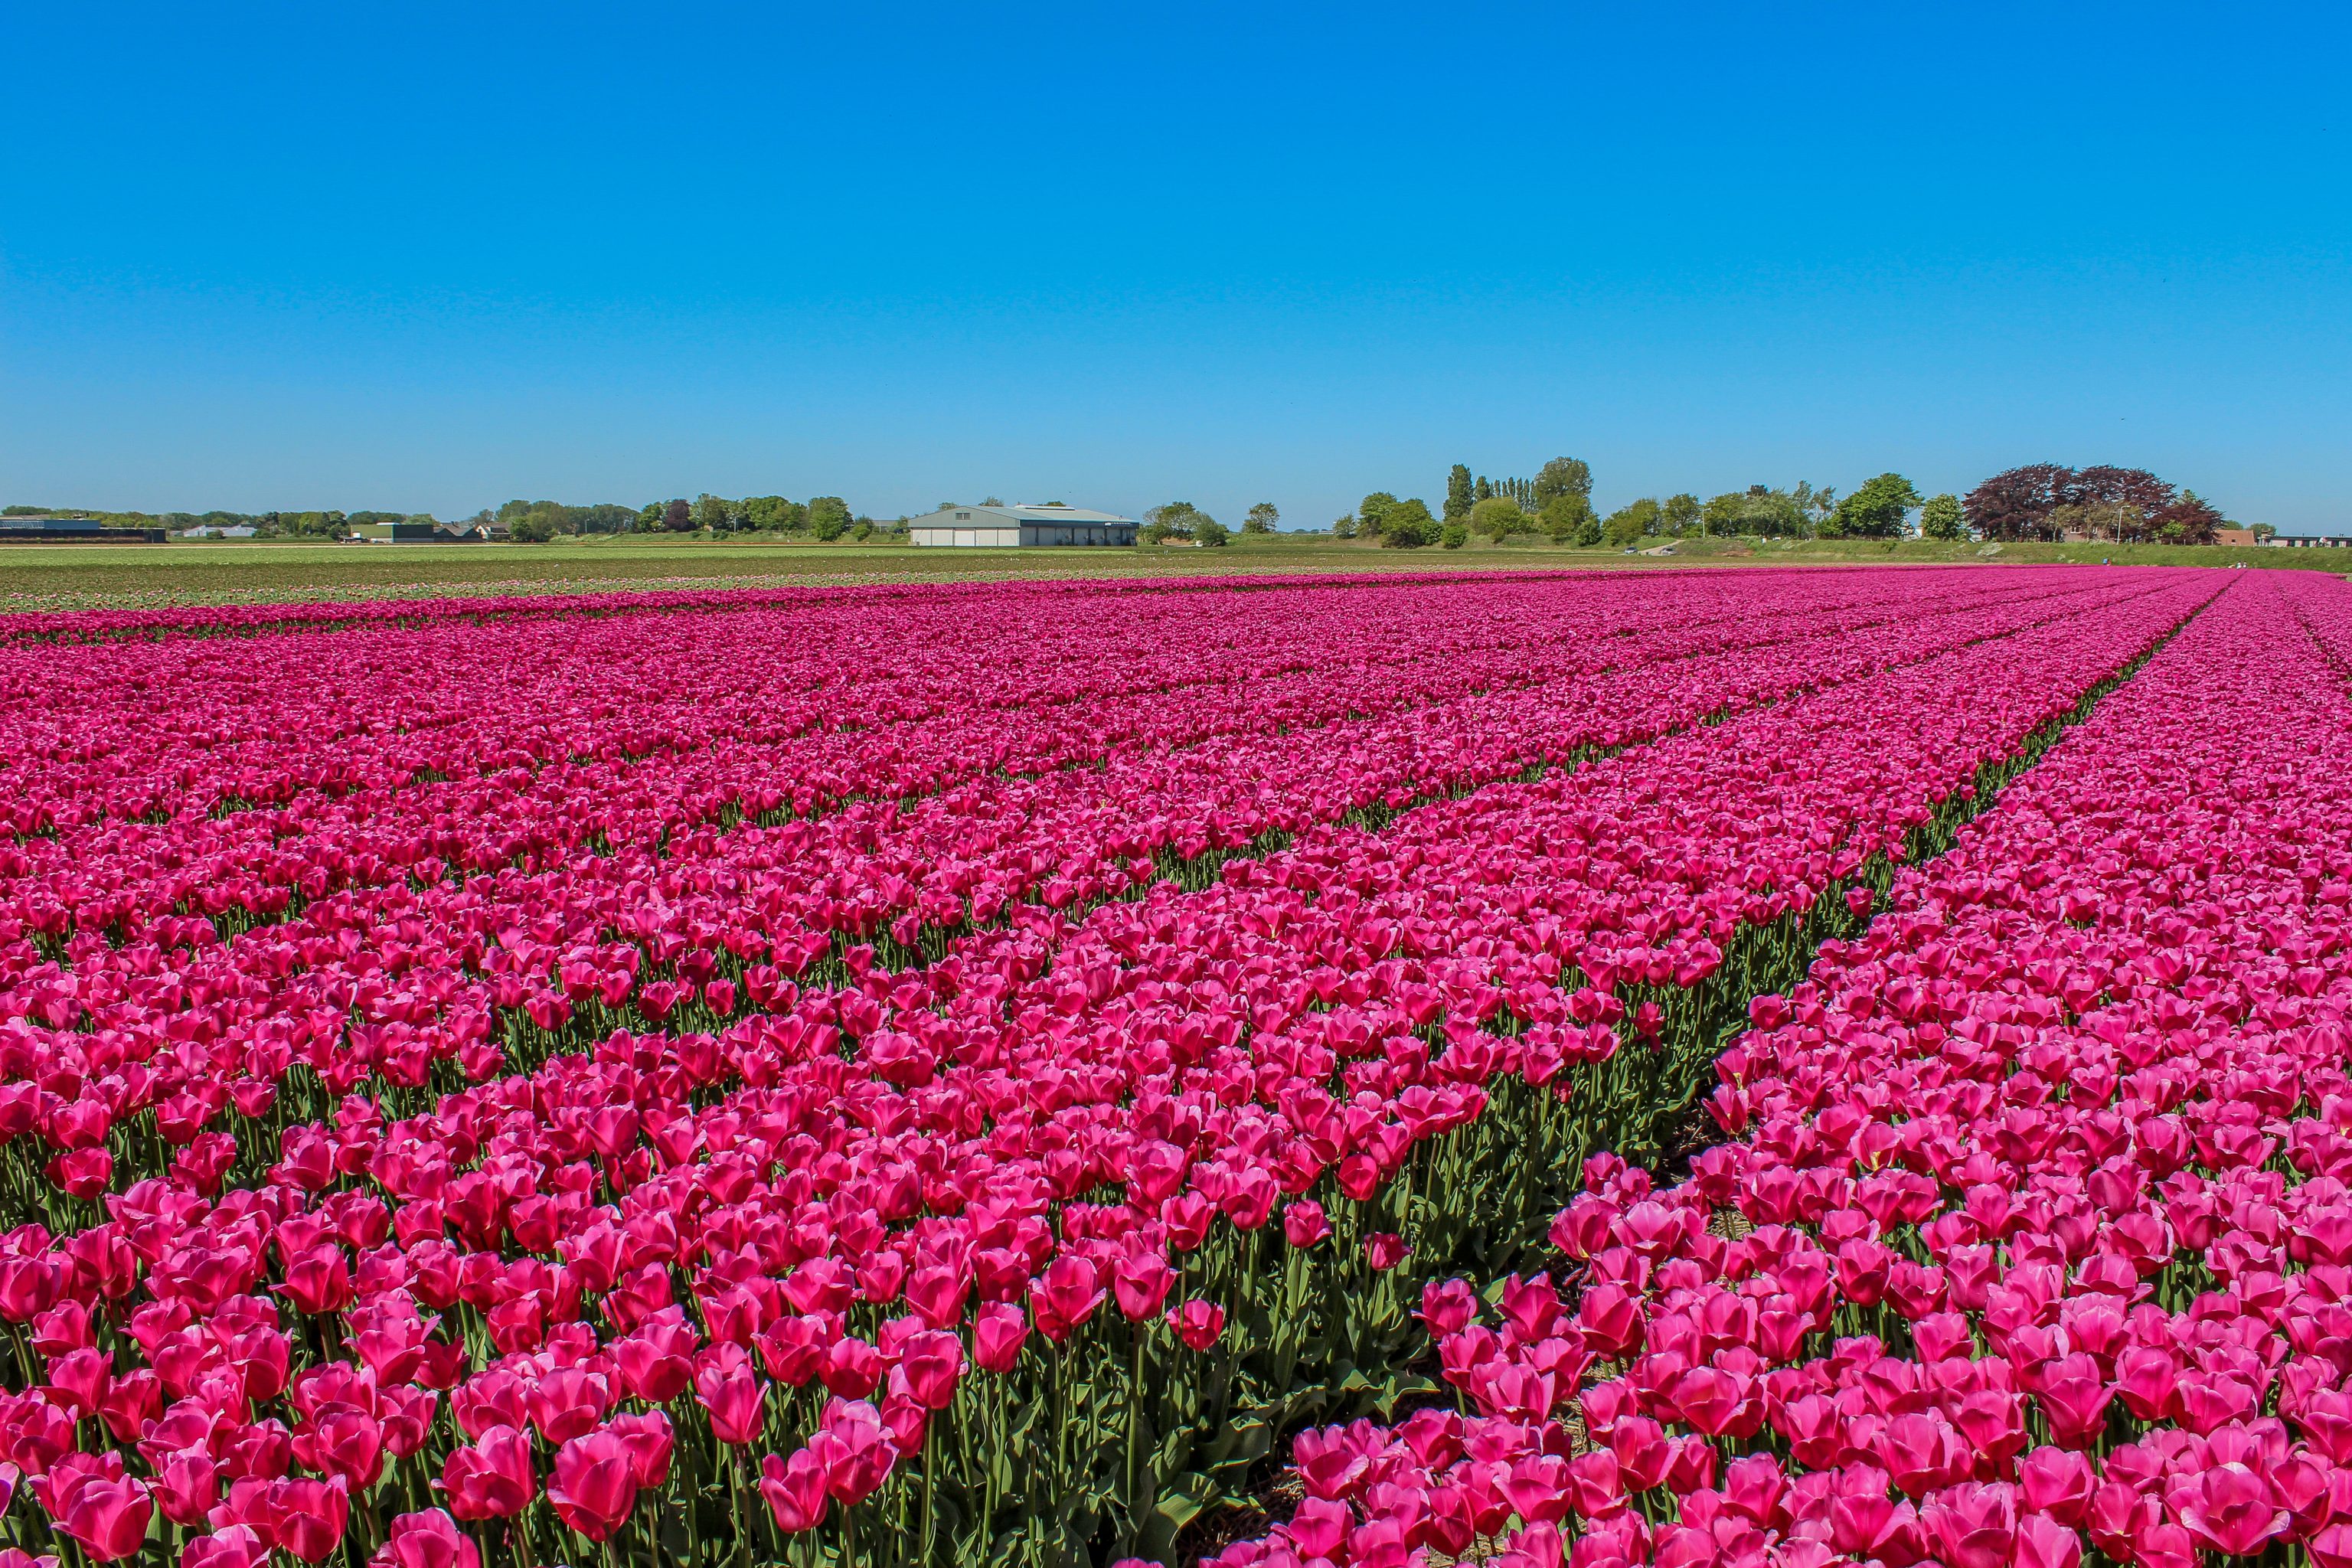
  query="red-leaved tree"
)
[{"x": 2039, "y": 500}]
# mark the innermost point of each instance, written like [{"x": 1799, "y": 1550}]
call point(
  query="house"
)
[
  {"x": 2242, "y": 537},
  {"x": 220, "y": 531},
  {"x": 47, "y": 528},
  {"x": 1049, "y": 523},
  {"x": 2313, "y": 540}
]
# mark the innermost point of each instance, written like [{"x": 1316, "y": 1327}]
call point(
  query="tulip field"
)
[{"x": 1761, "y": 1068}]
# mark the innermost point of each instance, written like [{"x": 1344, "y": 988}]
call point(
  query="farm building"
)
[
  {"x": 1050, "y": 522},
  {"x": 47, "y": 528}
]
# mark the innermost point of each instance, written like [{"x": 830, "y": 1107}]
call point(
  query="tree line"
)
[
  {"x": 2039, "y": 501},
  {"x": 2125, "y": 505},
  {"x": 826, "y": 518},
  {"x": 528, "y": 521},
  {"x": 1181, "y": 520},
  {"x": 2036, "y": 501}
]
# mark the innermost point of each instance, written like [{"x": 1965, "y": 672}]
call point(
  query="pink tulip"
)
[
  {"x": 492, "y": 1479},
  {"x": 855, "y": 1450},
  {"x": 932, "y": 1366},
  {"x": 1303, "y": 1224},
  {"x": 998, "y": 1332},
  {"x": 1198, "y": 1323},
  {"x": 795, "y": 1489},
  {"x": 427, "y": 1540},
  {"x": 108, "y": 1516},
  {"x": 649, "y": 1441},
  {"x": 237, "y": 1546},
  {"x": 1065, "y": 1296},
  {"x": 2230, "y": 1510},
  {"x": 594, "y": 1484},
  {"x": 308, "y": 1518}
]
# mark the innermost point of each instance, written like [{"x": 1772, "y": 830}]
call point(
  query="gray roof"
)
[{"x": 1037, "y": 514}]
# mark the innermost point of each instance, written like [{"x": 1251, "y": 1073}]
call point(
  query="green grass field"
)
[{"x": 43, "y": 577}]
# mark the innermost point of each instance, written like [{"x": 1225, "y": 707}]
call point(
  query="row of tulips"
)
[
  {"x": 2030, "y": 1246},
  {"x": 859, "y": 1188}
]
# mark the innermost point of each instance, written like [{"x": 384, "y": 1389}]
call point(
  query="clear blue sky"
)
[{"x": 424, "y": 257}]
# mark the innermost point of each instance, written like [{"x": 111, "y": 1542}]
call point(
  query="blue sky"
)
[{"x": 421, "y": 258}]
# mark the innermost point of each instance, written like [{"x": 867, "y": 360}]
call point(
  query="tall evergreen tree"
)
[{"x": 1458, "y": 497}]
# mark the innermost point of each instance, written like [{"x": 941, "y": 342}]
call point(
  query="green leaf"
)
[{"x": 1182, "y": 1500}]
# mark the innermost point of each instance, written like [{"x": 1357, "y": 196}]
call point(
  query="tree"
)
[
  {"x": 1344, "y": 527},
  {"x": 1408, "y": 525},
  {"x": 2017, "y": 502},
  {"x": 1875, "y": 511},
  {"x": 1565, "y": 516},
  {"x": 772, "y": 514},
  {"x": 1940, "y": 518},
  {"x": 1261, "y": 519},
  {"x": 1453, "y": 536},
  {"x": 1499, "y": 517},
  {"x": 1374, "y": 510},
  {"x": 713, "y": 513},
  {"x": 2192, "y": 520},
  {"x": 533, "y": 527},
  {"x": 1680, "y": 513},
  {"x": 1815, "y": 505},
  {"x": 1563, "y": 477},
  {"x": 828, "y": 517},
  {"x": 1458, "y": 497},
  {"x": 678, "y": 516},
  {"x": 990, "y": 500},
  {"x": 1209, "y": 532},
  {"x": 1629, "y": 522},
  {"x": 1176, "y": 520},
  {"x": 1758, "y": 510}
]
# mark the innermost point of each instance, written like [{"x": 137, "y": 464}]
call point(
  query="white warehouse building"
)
[{"x": 1050, "y": 522}]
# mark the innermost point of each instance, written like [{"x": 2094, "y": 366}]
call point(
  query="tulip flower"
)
[
  {"x": 307, "y": 1518},
  {"x": 1198, "y": 1322},
  {"x": 733, "y": 1397},
  {"x": 1303, "y": 1224},
  {"x": 493, "y": 1479},
  {"x": 237, "y": 1546},
  {"x": 796, "y": 1490},
  {"x": 997, "y": 1334},
  {"x": 649, "y": 1440},
  {"x": 427, "y": 1540},
  {"x": 108, "y": 1516},
  {"x": 594, "y": 1483}
]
